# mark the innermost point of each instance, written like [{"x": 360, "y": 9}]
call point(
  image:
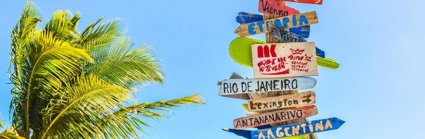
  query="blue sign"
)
[
  {"x": 245, "y": 18},
  {"x": 291, "y": 130}
]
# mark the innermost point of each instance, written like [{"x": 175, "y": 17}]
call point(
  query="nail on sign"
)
[
  {"x": 233, "y": 87},
  {"x": 280, "y": 102},
  {"x": 292, "y": 21},
  {"x": 275, "y": 7},
  {"x": 275, "y": 60},
  {"x": 319, "y": 2},
  {"x": 274, "y": 117}
]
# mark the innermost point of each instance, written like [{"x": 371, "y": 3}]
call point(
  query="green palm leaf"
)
[
  {"x": 10, "y": 133},
  {"x": 120, "y": 65},
  {"x": 69, "y": 84},
  {"x": 123, "y": 122},
  {"x": 22, "y": 35},
  {"x": 81, "y": 104}
]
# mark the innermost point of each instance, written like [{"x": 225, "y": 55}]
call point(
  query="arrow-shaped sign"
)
[
  {"x": 238, "y": 88},
  {"x": 292, "y": 130},
  {"x": 275, "y": 7},
  {"x": 240, "y": 51},
  {"x": 274, "y": 117},
  {"x": 245, "y": 18},
  {"x": 296, "y": 20},
  {"x": 281, "y": 102}
]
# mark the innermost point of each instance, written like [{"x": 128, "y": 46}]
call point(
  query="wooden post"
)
[{"x": 270, "y": 39}]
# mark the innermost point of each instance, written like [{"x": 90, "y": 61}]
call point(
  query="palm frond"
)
[
  {"x": 63, "y": 25},
  {"x": 121, "y": 65},
  {"x": 86, "y": 101},
  {"x": 99, "y": 35},
  {"x": 123, "y": 123},
  {"x": 51, "y": 62},
  {"x": 166, "y": 104},
  {"x": 10, "y": 133},
  {"x": 22, "y": 36}
]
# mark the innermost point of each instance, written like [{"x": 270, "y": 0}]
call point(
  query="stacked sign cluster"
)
[{"x": 277, "y": 98}]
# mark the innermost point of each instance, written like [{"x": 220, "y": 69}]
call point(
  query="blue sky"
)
[{"x": 379, "y": 44}]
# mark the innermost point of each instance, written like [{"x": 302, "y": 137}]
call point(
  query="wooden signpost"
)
[
  {"x": 276, "y": 107},
  {"x": 274, "y": 117},
  {"x": 296, "y": 20},
  {"x": 236, "y": 87},
  {"x": 275, "y": 60},
  {"x": 280, "y": 102},
  {"x": 319, "y": 2},
  {"x": 277, "y": 132},
  {"x": 275, "y": 7}
]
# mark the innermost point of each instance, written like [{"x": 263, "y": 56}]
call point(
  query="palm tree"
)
[
  {"x": 9, "y": 133},
  {"x": 71, "y": 84}
]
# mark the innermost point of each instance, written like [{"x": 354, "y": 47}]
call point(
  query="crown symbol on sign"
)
[{"x": 297, "y": 51}]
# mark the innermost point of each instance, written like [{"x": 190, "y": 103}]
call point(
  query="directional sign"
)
[
  {"x": 280, "y": 102},
  {"x": 240, "y": 51},
  {"x": 285, "y": 36},
  {"x": 259, "y": 27},
  {"x": 298, "y": 129},
  {"x": 236, "y": 87},
  {"x": 245, "y": 18},
  {"x": 275, "y": 60},
  {"x": 275, "y": 7},
  {"x": 274, "y": 117},
  {"x": 288, "y": 36},
  {"x": 327, "y": 62},
  {"x": 319, "y": 2},
  {"x": 291, "y": 130}
]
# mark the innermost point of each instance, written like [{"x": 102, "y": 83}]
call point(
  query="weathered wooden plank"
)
[
  {"x": 288, "y": 36},
  {"x": 259, "y": 27},
  {"x": 277, "y": 132},
  {"x": 280, "y": 102},
  {"x": 275, "y": 7},
  {"x": 274, "y": 117},
  {"x": 245, "y": 18},
  {"x": 285, "y": 35},
  {"x": 298, "y": 129},
  {"x": 240, "y": 52},
  {"x": 276, "y": 60},
  {"x": 236, "y": 87},
  {"x": 318, "y": 2}
]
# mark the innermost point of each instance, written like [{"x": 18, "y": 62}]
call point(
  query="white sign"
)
[
  {"x": 275, "y": 60},
  {"x": 237, "y": 88}
]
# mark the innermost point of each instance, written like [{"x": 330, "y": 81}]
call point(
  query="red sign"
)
[
  {"x": 319, "y": 2},
  {"x": 284, "y": 60},
  {"x": 275, "y": 7}
]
